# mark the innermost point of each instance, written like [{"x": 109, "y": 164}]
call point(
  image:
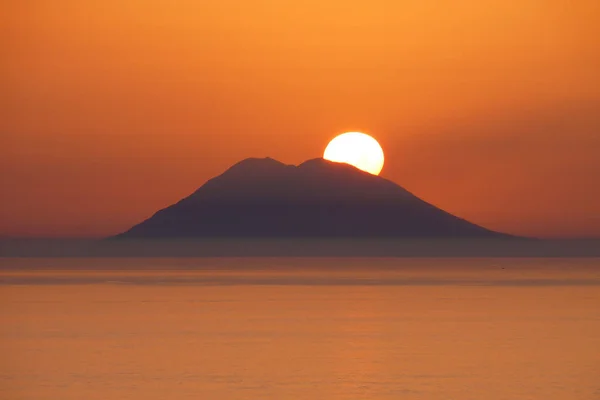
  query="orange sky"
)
[{"x": 113, "y": 109}]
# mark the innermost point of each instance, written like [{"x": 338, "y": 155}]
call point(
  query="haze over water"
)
[{"x": 299, "y": 328}]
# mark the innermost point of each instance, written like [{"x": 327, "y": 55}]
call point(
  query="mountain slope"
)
[{"x": 318, "y": 198}]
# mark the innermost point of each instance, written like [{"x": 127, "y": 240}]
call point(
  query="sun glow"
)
[{"x": 357, "y": 149}]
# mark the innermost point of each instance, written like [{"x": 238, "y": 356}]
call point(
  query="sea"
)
[{"x": 305, "y": 328}]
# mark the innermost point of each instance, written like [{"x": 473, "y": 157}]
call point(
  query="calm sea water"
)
[{"x": 284, "y": 328}]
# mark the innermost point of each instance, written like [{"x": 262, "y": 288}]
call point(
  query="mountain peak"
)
[
  {"x": 255, "y": 162},
  {"x": 321, "y": 163},
  {"x": 314, "y": 162},
  {"x": 256, "y": 166}
]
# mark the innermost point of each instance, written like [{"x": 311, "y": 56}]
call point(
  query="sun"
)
[{"x": 357, "y": 149}]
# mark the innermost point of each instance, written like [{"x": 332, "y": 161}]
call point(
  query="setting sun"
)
[{"x": 357, "y": 149}]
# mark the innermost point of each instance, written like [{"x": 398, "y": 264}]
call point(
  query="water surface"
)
[{"x": 312, "y": 328}]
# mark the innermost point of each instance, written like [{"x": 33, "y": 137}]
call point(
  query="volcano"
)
[{"x": 264, "y": 198}]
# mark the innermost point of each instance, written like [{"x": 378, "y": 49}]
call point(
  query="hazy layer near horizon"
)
[
  {"x": 299, "y": 328},
  {"x": 309, "y": 247}
]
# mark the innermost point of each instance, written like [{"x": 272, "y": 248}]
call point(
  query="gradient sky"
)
[{"x": 113, "y": 109}]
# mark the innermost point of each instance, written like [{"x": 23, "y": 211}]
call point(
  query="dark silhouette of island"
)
[{"x": 264, "y": 198}]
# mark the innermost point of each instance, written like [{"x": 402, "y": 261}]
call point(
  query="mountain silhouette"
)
[{"x": 318, "y": 198}]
